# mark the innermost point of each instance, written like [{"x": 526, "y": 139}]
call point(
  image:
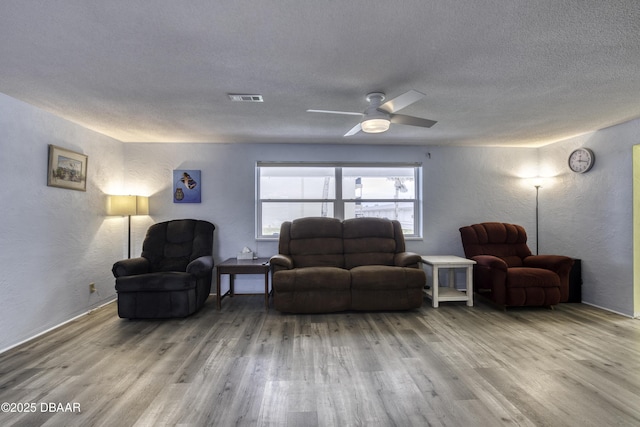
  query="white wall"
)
[
  {"x": 590, "y": 216},
  {"x": 461, "y": 186},
  {"x": 53, "y": 242}
]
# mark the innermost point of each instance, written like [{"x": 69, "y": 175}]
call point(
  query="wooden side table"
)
[
  {"x": 437, "y": 293},
  {"x": 233, "y": 266}
]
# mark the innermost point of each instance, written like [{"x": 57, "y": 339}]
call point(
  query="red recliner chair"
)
[{"x": 507, "y": 273}]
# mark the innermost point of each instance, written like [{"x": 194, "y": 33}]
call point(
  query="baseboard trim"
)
[
  {"x": 608, "y": 309},
  {"x": 58, "y": 326}
]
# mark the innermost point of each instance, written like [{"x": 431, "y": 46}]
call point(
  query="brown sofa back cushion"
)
[
  {"x": 313, "y": 242},
  {"x": 371, "y": 241},
  {"x": 506, "y": 241}
]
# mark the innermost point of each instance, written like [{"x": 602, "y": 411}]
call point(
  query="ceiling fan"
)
[{"x": 378, "y": 116}]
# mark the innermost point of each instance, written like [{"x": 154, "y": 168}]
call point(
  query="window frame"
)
[{"x": 338, "y": 201}]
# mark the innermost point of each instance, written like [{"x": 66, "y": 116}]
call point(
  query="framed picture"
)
[
  {"x": 67, "y": 169},
  {"x": 187, "y": 186}
]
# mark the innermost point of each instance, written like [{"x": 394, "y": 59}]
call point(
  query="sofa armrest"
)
[
  {"x": 281, "y": 262},
  {"x": 559, "y": 264},
  {"x": 200, "y": 266},
  {"x": 130, "y": 267},
  {"x": 491, "y": 262},
  {"x": 407, "y": 259}
]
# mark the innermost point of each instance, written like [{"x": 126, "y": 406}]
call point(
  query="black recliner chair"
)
[{"x": 173, "y": 276}]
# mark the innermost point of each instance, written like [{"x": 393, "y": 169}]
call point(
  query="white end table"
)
[{"x": 449, "y": 293}]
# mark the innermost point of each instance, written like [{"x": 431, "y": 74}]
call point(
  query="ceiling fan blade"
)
[
  {"x": 348, "y": 113},
  {"x": 412, "y": 121},
  {"x": 401, "y": 101},
  {"x": 357, "y": 128}
]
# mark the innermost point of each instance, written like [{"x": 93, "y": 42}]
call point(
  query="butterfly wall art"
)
[{"x": 187, "y": 186}]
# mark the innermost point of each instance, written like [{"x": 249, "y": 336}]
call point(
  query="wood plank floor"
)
[{"x": 452, "y": 366}]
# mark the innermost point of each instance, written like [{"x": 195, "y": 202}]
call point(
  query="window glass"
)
[
  {"x": 287, "y": 192},
  {"x": 378, "y": 183},
  {"x": 274, "y": 214},
  {"x": 403, "y": 212},
  {"x": 297, "y": 183}
]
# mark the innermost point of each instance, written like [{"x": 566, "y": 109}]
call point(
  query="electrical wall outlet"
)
[{"x": 92, "y": 287}]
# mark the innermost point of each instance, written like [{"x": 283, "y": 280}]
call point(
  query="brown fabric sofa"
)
[
  {"x": 507, "y": 273},
  {"x": 328, "y": 265}
]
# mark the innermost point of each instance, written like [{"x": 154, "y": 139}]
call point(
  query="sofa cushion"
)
[
  {"x": 369, "y": 241},
  {"x": 524, "y": 277},
  {"x": 156, "y": 282},
  {"x": 381, "y": 287},
  {"x": 312, "y": 290},
  {"x": 314, "y": 242},
  {"x": 532, "y": 287},
  {"x": 301, "y": 279},
  {"x": 373, "y": 277}
]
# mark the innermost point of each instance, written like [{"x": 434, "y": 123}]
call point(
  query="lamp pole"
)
[
  {"x": 537, "y": 240},
  {"x": 129, "y": 243}
]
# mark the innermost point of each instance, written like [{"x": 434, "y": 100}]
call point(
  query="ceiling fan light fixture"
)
[
  {"x": 375, "y": 125},
  {"x": 377, "y": 117}
]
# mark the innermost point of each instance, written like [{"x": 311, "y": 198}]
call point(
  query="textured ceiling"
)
[{"x": 495, "y": 72}]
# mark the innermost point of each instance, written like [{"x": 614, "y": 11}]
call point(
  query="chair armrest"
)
[
  {"x": 407, "y": 259},
  {"x": 130, "y": 267},
  {"x": 281, "y": 262},
  {"x": 200, "y": 266},
  {"x": 556, "y": 263},
  {"x": 490, "y": 262},
  {"x": 490, "y": 277}
]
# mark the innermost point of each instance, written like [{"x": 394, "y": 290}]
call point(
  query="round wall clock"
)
[{"x": 581, "y": 160}]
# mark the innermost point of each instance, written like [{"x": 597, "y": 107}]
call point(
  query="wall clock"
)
[{"x": 581, "y": 160}]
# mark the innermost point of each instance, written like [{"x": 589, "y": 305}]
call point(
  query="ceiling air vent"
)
[{"x": 241, "y": 97}]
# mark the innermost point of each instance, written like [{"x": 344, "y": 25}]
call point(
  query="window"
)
[{"x": 289, "y": 191}]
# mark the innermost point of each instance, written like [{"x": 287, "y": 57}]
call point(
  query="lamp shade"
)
[
  {"x": 128, "y": 205},
  {"x": 142, "y": 205}
]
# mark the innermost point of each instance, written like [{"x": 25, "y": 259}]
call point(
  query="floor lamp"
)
[
  {"x": 537, "y": 185},
  {"x": 128, "y": 206}
]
